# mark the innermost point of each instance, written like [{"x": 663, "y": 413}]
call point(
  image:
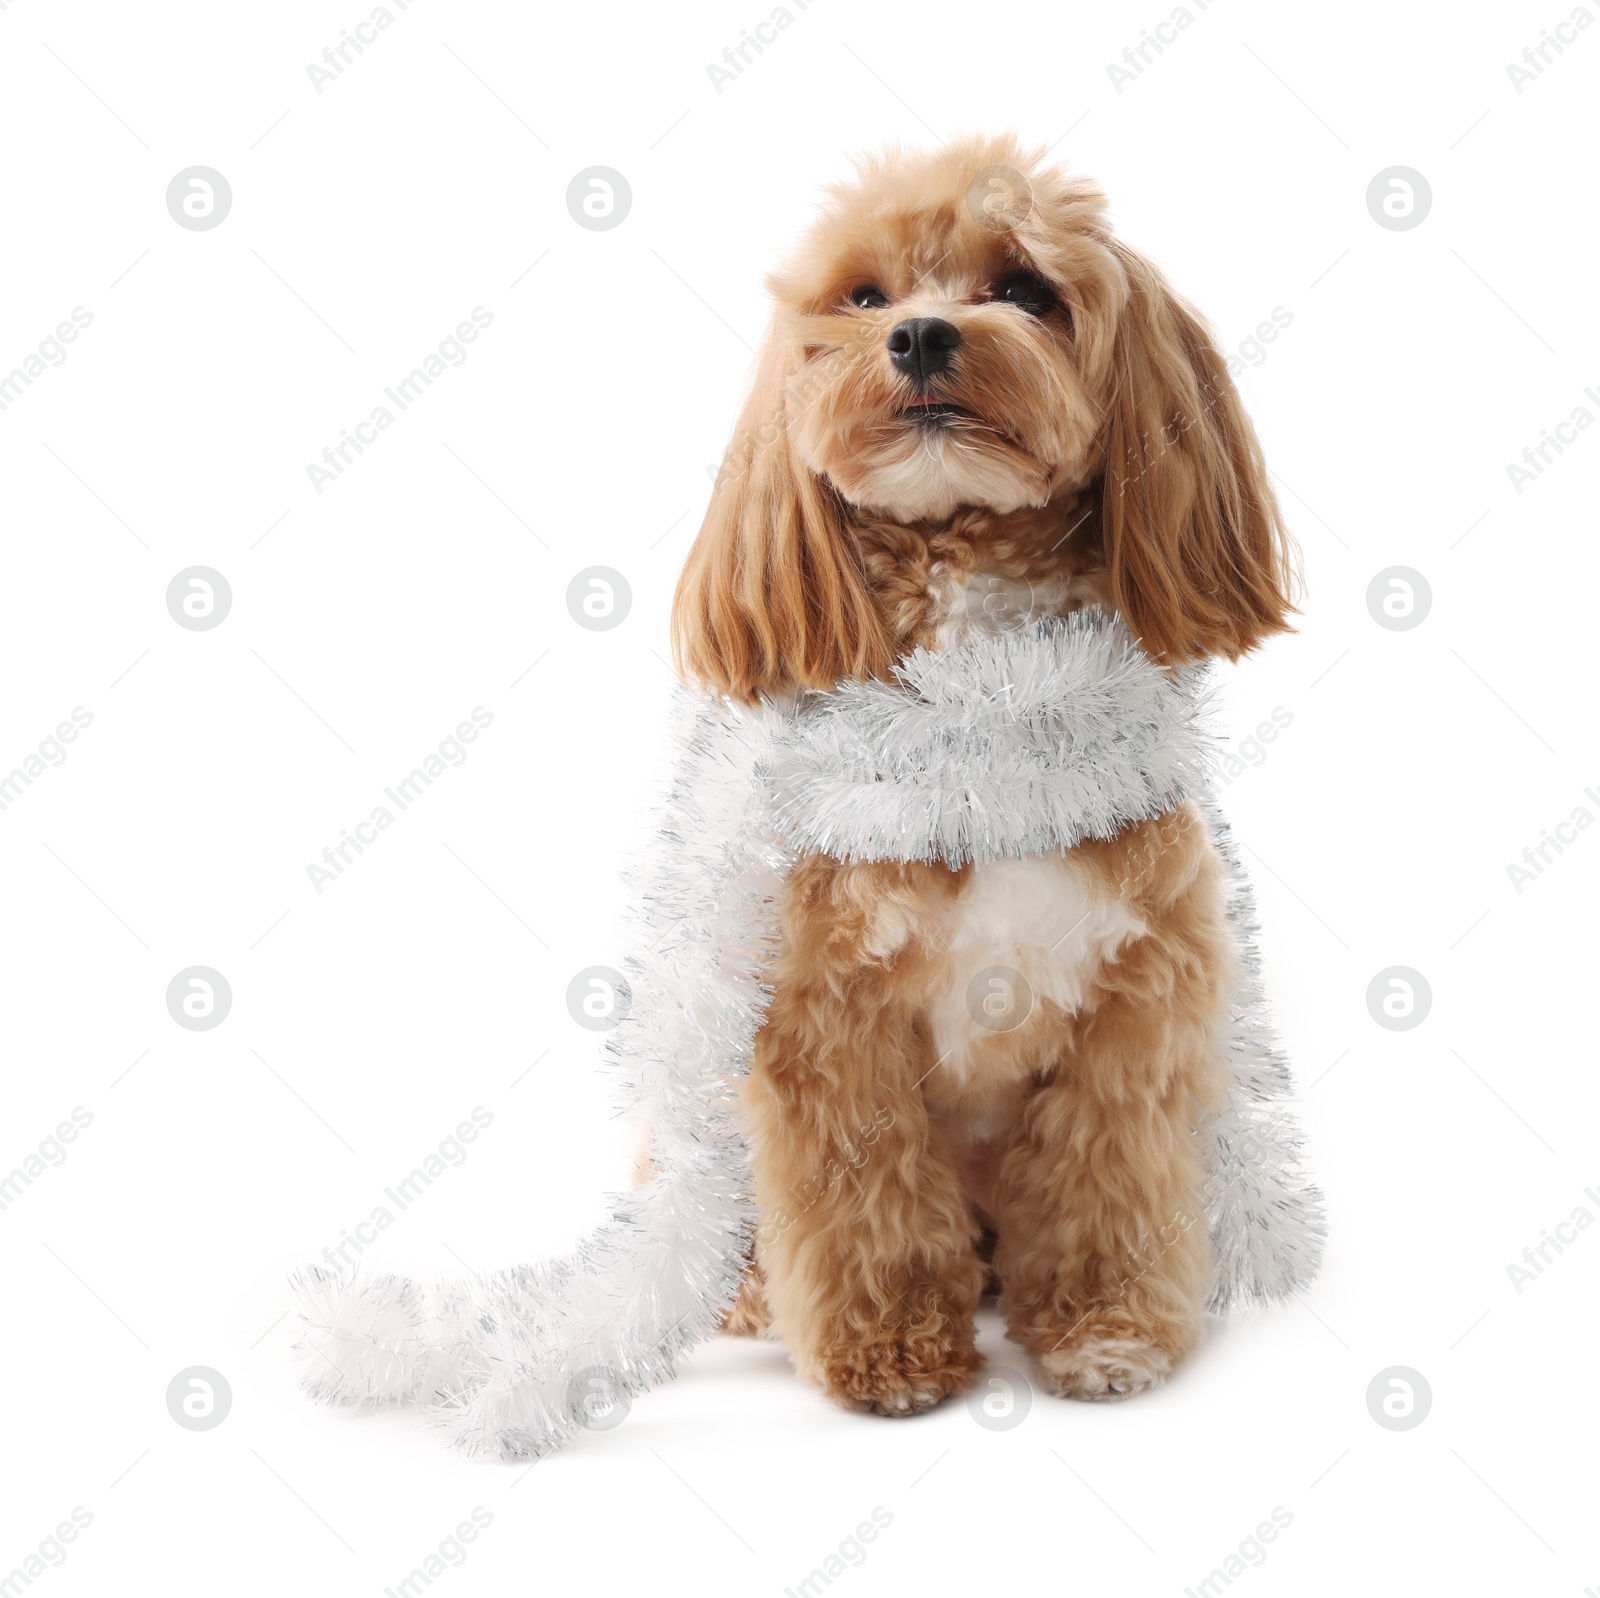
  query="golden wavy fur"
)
[{"x": 1071, "y": 435}]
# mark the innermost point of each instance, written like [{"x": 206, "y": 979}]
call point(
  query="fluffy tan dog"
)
[{"x": 975, "y": 408}]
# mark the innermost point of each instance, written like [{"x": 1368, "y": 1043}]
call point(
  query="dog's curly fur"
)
[{"x": 913, "y": 1140}]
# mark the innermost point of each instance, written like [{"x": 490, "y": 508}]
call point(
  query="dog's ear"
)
[
  {"x": 1195, "y": 547},
  {"x": 772, "y": 596}
]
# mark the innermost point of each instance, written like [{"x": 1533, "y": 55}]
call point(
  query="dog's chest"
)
[
  {"x": 1023, "y": 937},
  {"x": 1023, "y": 940}
]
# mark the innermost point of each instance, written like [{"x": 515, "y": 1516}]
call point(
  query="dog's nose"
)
[{"x": 922, "y": 346}]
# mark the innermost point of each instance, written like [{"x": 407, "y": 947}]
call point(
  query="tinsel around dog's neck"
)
[{"x": 1009, "y": 745}]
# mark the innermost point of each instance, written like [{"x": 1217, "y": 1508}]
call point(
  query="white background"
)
[{"x": 370, "y": 219}]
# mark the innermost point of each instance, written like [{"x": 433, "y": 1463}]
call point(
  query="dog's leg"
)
[
  {"x": 866, "y": 1236},
  {"x": 750, "y": 1316},
  {"x": 1103, "y": 1250}
]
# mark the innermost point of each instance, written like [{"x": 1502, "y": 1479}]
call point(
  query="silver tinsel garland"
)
[{"x": 1006, "y": 746}]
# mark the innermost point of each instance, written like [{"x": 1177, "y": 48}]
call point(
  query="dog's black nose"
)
[{"x": 922, "y": 346}]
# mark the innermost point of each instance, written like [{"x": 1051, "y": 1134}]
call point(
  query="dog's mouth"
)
[{"x": 934, "y": 413}]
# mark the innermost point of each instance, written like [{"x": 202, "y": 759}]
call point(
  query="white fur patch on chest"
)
[{"x": 1022, "y": 932}]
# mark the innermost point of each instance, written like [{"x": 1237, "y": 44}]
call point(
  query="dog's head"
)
[{"x": 961, "y": 331}]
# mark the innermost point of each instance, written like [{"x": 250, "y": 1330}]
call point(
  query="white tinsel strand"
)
[
  {"x": 1007, "y": 746},
  {"x": 364, "y": 1339},
  {"x": 498, "y": 1358},
  {"x": 1264, "y": 1213}
]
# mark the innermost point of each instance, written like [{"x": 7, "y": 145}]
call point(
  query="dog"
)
[{"x": 976, "y": 408}]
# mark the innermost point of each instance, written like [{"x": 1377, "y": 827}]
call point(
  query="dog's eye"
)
[
  {"x": 1027, "y": 292},
  {"x": 869, "y": 297}
]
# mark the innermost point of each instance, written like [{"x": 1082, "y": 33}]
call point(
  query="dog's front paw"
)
[
  {"x": 900, "y": 1372},
  {"x": 1109, "y": 1357}
]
